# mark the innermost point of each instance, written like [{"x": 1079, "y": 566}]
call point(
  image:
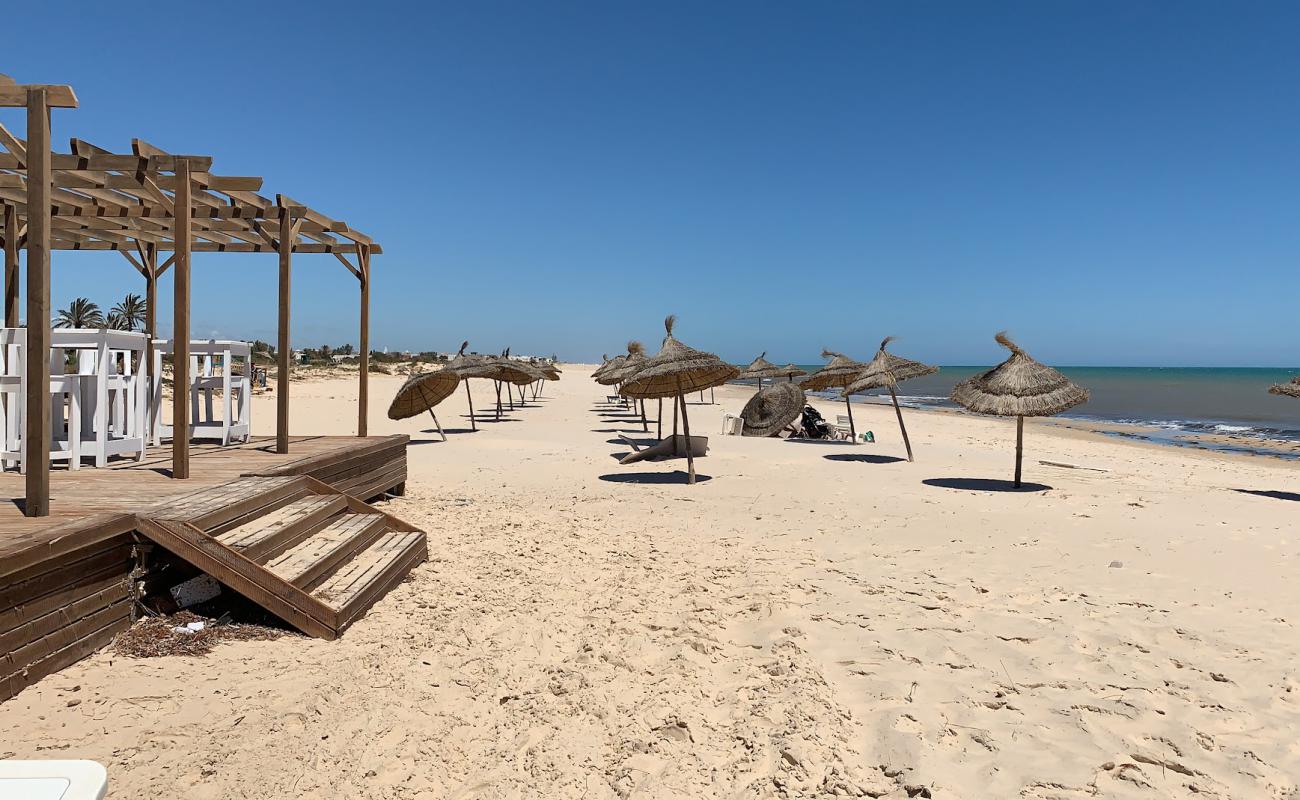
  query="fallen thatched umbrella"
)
[
  {"x": 421, "y": 393},
  {"x": 673, "y": 372},
  {"x": 790, "y": 372},
  {"x": 886, "y": 371},
  {"x": 1289, "y": 389},
  {"x": 469, "y": 367},
  {"x": 837, "y": 374},
  {"x": 1019, "y": 387},
  {"x": 759, "y": 369},
  {"x": 770, "y": 410}
]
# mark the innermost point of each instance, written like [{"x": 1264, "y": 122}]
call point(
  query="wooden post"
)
[
  {"x": 470, "y": 398},
  {"x": 11, "y": 267},
  {"x": 39, "y": 189},
  {"x": 284, "y": 350},
  {"x": 497, "y": 384},
  {"x": 853, "y": 432},
  {"x": 901, "y": 426},
  {"x": 1020, "y": 445},
  {"x": 675, "y": 399},
  {"x": 659, "y": 426},
  {"x": 686, "y": 429},
  {"x": 363, "y": 387},
  {"x": 151, "y": 301},
  {"x": 181, "y": 325},
  {"x": 645, "y": 424}
]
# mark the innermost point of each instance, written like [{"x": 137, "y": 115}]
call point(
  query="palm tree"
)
[
  {"x": 132, "y": 310},
  {"x": 116, "y": 321},
  {"x": 80, "y": 314}
]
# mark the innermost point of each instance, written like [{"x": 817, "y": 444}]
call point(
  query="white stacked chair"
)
[{"x": 212, "y": 372}]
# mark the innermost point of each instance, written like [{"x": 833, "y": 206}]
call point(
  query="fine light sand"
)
[{"x": 811, "y": 620}]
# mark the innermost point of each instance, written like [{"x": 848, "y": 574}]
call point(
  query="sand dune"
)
[{"x": 812, "y": 620}]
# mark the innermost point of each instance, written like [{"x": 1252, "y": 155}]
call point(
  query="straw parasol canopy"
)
[
  {"x": 1019, "y": 387},
  {"x": 886, "y": 371},
  {"x": 672, "y": 372},
  {"x": 469, "y": 367},
  {"x": 1290, "y": 389},
  {"x": 837, "y": 374},
  {"x": 422, "y": 392},
  {"x": 759, "y": 369},
  {"x": 630, "y": 362},
  {"x": 790, "y": 372},
  {"x": 610, "y": 364},
  {"x": 771, "y": 409},
  {"x": 677, "y": 369}
]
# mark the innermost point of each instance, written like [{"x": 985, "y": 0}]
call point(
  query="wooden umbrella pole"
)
[
  {"x": 470, "y": 398},
  {"x": 675, "y": 399},
  {"x": 686, "y": 430},
  {"x": 437, "y": 425},
  {"x": 511, "y": 397},
  {"x": 901, "y": 426},
  {"x": 497, "y": 384},
  {"x": 645, "y": 424},
  {"x": 712, "y": 401},
  {"x": 1020, "y": 445},
  {"x": 659, "y": 426},
  {"x": 853, "y": 432}
]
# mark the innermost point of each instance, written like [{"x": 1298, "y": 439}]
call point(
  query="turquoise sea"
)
[{"x": 1181, "y": 403}]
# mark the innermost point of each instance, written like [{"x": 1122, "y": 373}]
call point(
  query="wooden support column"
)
[
  {"x": 11, "y": 266},
  {"x": 363, "y": 387},
  {"x": 181, "y": 324},
  {"x": 283, "y": 348},
  {"x": 150, "y": 298},
  {"x": 39, "y": 190}
]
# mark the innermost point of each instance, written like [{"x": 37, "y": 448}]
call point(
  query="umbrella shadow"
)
[
  {"x": 630, "y": 427},
  {"x": 866, "y": 458},
  {"x": 642, "y": 442},
  {"x": 984, "y": 485},
  {"x": 825, "y": 442},
  {"x": 1274, "y": 494},
  {"x": 659, "y": 478}
]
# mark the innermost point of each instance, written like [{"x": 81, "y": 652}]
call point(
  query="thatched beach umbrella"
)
[
  {"x": 673, "y": 372},
  {"x": 886, "y": 371},
  {"x": 421, "y": 393},
  {"x": 1290, "y": 389},
  {"x": 770, "y": 410},
  {"x": 469, "y": 367},
  {"x": 790, "y": 372},
  {"x": 631, "y": 363},
  {"x": 759, "y": 369},
  {"x": 1019, "y": 387},
  {"x": 837, "y": 374}
]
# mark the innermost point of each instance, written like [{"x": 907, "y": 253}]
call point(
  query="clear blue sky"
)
[{"x": 1116, "y": 182}]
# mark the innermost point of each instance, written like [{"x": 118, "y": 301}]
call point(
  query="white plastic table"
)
[{"x": 53, "y": 780}]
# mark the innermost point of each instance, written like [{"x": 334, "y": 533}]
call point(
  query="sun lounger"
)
[
  {"x": 665, "y": 448},
  {"x": 52, "y": 780}
]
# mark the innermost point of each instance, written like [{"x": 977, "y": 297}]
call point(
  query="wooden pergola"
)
[{"x": 155, "y": 208}]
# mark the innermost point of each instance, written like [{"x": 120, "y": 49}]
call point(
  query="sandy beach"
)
[{"x": 811, "y": 620}]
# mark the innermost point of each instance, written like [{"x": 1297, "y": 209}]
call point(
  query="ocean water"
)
[{"x": 1180, "y": 401}]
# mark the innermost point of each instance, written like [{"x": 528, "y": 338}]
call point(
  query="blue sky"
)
[{"x": 1115, "y": 182}]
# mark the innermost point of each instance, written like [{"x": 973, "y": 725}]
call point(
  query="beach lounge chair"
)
[
  {"x": 672, "y": 446},
  {"x": 53, "y": 780},
  {"x": 842, "y": 429}
]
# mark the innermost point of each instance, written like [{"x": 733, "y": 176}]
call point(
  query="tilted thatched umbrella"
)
[
  {"x": 887, "y": 370},
  {"x": 790, "y": 372},
  {"x": 770, "y": 410},
  {"x": 1291, "y": 389},
  {"x": 759, "y": 369},
  {"x": 469, "y": 367},
  {"x": 421, "y": 393},
  {"x": 1019, "y": 387},
  {"x": 837, "y": 374},
  {"x": 672, "y": 372}
]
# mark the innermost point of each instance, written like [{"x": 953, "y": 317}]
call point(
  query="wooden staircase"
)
[{"x": 306, "y": 552}]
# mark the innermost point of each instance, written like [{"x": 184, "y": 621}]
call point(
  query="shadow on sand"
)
[
  {"x": 652, "y": 477},
  {"x": 866, "y": 458},
  {"x": 1271, "y": 493},
  {"x": 984, "y": 485}
]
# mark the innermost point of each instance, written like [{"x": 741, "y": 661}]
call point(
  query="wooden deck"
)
[{"x": 66, "y": 579}]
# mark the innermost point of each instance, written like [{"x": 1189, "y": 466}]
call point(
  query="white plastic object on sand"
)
[{"x": 53, "y": 780}]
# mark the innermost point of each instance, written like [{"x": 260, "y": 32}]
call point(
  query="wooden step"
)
[
  {"x": 357, "y": 585},
  {"x": 319, "y": 554},
  {"x": 269, "y": 536}
]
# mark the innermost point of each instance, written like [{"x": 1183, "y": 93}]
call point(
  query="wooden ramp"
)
[{"x": 302, "y": 549}]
